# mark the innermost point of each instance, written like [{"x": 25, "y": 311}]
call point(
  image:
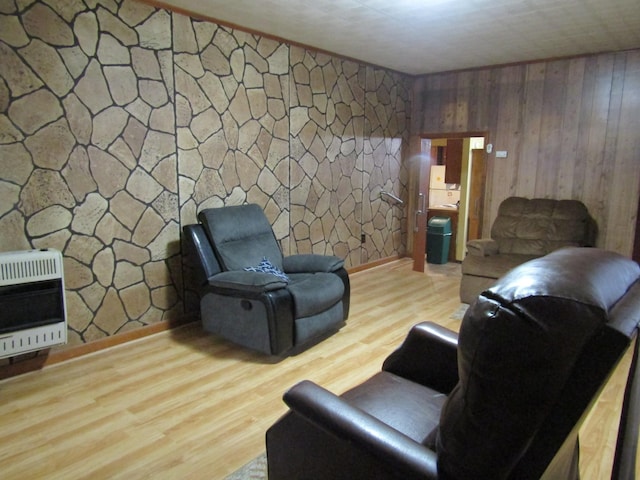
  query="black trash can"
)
[{"x": 438, "y": 239}]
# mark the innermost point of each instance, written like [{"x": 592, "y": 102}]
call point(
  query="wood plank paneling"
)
[
  {"x": 508, "y": 134},
  {"x": 549, "y": 144},
  {"x": 627, "y": 149},
  {"x": 530, "y": 151},
  {"x": 570, "y": 128}
]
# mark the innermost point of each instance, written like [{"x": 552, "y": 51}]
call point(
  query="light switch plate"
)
[{"x": 501, "y": 154}]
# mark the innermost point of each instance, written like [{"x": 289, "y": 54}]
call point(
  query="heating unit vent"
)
[
  {"x": 19, "y": 267},
  {"x": 32, "y": 301}
]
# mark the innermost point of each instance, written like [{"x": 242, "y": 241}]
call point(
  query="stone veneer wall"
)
[{"x": 120, "y": 121}]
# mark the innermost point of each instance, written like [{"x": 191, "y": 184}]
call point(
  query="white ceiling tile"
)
[{"x": 425, "y": 36}]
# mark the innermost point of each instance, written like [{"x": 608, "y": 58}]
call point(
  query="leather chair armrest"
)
[
  {"x": 308, "y": 263},
  {"x": 482, "y": 247},
  {"x": 243, "y": 281},
  {"x": 350, "y": 424},
  {"x": 428, "y": 356}
]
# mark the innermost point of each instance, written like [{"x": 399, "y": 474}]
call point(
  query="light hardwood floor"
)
[{"x": 183, "y": 404}]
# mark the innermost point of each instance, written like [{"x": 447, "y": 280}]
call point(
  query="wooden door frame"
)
[
  {"x": 636, "y": 243},
  {"x": 481, "y": 157},
  {"x": 418, "y": 199},
  {"x": 419, "y": 247}
]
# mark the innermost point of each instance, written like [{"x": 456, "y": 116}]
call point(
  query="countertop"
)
[{"x": 443, "y": 208}]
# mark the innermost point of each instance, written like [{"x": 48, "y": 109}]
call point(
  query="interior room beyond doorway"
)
[{"x": 452, "y": 191}]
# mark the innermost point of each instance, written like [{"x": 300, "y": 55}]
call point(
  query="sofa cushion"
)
[
  {"x": 244, "y": 281},
  {"x": 310, "y": 262},
  {"x": 314, "y": 292},
  {"x": 539, "y": 226},
  {"x": 406, "y": 406},
  {"x": 493, "y": 266},
  {"x": 265, "y": 266}
]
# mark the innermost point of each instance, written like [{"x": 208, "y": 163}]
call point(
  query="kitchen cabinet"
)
[{"x": 453, "y": 161}]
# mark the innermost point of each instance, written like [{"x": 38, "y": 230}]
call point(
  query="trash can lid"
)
[{"x": 439, "y": 225}]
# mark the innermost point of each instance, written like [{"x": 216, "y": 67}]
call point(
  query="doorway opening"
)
[{"x": 450, "y": 184}]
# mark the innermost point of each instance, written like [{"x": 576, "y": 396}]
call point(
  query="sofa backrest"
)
[
  {"x": 533, "y": 352},
  {"x": 539, "y": 226},
  {"x": 241, "y": 236}
]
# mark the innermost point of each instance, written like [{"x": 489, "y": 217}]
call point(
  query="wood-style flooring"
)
[{"x": 184, "y": 404}]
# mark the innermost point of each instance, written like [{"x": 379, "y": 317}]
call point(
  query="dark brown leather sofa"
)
[
  {"x": 524, "y": 229},
  {"x": 504, "y": 399}
]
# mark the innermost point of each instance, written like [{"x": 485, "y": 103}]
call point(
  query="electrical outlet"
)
[{"x": 363, "y": 238}]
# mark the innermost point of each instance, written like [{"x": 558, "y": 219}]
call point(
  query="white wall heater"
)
[{"x": 33, "y": 312}]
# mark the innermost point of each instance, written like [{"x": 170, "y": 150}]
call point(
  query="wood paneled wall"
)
[{"x": 571, "y": 129}]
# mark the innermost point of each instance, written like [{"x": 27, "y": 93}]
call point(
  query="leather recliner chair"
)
[
  {"x": 504, "y": 399},
  {"x": 252, "y": 295}
]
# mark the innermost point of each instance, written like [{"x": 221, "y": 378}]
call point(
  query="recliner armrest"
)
[
  {"x": 244, "y": 281},
  {"x": 309, "y": 263},
  {"x": 482, "y": 247},
  {"x": 428, "y": 356},
  {"x": 360, "y": 429}
]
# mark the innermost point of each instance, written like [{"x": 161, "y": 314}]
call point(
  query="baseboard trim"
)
[
  {"x": 373, "y": 264},
  {"x": 46, "y": 358}
]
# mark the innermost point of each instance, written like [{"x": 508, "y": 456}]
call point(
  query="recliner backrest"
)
[
  {"x": 533, "y": 352},
  {"x": 540, "y": 225},
  {"x": 200, "y": 255},
  {"x": 241, "y": 236}
]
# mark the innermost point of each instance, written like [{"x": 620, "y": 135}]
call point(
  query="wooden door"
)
[
  {"x": 476, "y": 193},
  {"x": 422, "y": 168}
]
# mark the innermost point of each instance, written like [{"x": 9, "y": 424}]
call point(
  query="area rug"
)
[
  {"x": 256, "y": 469},
  {"x": 459, "y": 313}
]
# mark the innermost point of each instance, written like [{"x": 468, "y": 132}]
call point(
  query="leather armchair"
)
[
  {"x": 503, "y": 399},
  {"x": 252, "y": 295}
]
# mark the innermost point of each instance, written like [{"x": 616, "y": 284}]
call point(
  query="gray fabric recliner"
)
[{"x": 252, "y": 295}]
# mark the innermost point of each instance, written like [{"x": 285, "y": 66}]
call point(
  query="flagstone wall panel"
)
[
  {"x": 88, "y": 141},
  {"x": 120, "y": 121}
]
